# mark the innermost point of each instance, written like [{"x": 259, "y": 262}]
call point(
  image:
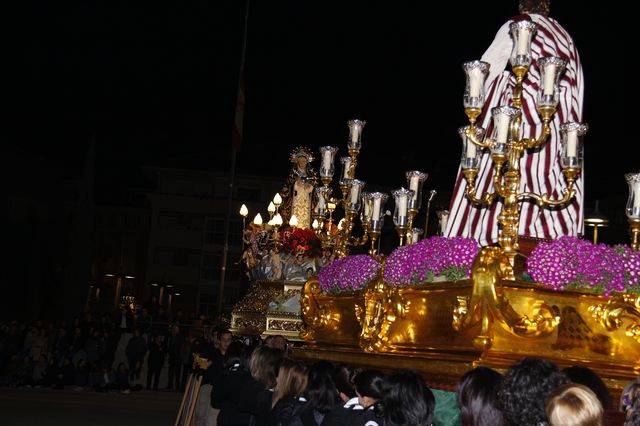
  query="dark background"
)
[{"x": 154, "y": 83}]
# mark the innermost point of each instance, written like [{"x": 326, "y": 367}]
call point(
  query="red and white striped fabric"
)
[{"x": 540, "y": 169}]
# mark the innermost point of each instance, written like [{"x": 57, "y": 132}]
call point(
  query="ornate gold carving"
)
[
  {"x": 284, "y": 325},
  {"x": 309, "y": 307},
  {"x": 315, "y": 315},
  {"x": 487, "y": 305},
  {"x": 612, "y": 314},
  {"x": 382, "y": 305}
]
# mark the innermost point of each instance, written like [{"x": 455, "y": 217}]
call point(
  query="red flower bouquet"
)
[{"x": 301, "y": 241}]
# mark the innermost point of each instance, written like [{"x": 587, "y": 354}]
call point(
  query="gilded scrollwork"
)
[
  {"x": 619, "y": 308},
  {"x": 309, "y": 307},
  {"x": 382, "y": 305},
  {"x": 487, "y": 305}
]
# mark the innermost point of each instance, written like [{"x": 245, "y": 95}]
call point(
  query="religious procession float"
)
[{"x": 479, "y": 293}]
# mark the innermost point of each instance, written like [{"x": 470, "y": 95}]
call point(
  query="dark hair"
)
[
  {"x": 321, "y": 393},
  {"x": 370, "y": 383},
  {"x": 478, "y": 397},
  {"x": 234, "y": 355},
  {"x": 587, "y": 377},
  {"x": 343, "y": 378},
  {"x": 525, "y": 390},
  {"x": 407, "y": 400}
]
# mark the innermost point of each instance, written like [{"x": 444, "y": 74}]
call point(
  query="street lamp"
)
[
  {"x": 162, "y": 286},
  {"x": 119, "y": 276},
  {"x": 174, "y": 293},
  {"x": 596, "y": 220}
]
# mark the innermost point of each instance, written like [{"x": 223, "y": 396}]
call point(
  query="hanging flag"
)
[{"x": 238, "y": 119}]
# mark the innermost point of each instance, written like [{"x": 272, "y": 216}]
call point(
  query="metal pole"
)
[
  {"x": 232, "y": 175},
  {"x": 432, "y": 195}
]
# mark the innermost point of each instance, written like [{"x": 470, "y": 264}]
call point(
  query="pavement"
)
[{"x": 43, "y": 406}]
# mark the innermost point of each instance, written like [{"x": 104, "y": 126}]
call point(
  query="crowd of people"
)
[
  {"x": 266, "y": 385},
  {"x": 119, "y": 352},
  {"x": 248, "y": 381}
]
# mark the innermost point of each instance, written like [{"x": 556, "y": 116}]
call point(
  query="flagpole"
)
[{"x": 232, "y": 168}]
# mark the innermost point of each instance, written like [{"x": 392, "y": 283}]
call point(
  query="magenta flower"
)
[
  {"x": 348, "y": 274},
  {"x": 423, "y": 261},
  {"x": 570, "y": 263}
]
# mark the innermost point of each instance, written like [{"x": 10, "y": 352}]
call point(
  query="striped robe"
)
[{"x": 540, "y": 169}]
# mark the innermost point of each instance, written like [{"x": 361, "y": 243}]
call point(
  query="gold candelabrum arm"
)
[
  {"x": 612, "y": 315},
  {"x": 507, "y": 185},
  {"x": 488, "y": 306},
  {"x": 546, "y": 112}
]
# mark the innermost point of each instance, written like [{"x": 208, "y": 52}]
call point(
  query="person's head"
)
[
  {"x": 291, "y": 380},
  {"x": 276, "y": 341},
  {"x": 407, "y": 400},
  {"x": 525, "y": 390},
  {"x": 301, "y": 162},
  {"x": 321, "y": 392},
  {"x": 630, "y": 403},
  {"x": 540, "y": 7},
  {"x": 478, "y": 398},
  {"x": 369, "y": 386},
  {"x": 263, "y": 365},
  {"x": 343, "y": 376},
  {"x": 175, "y": 330},
  {"x": 587, "y": 377},
  {"x": 234, "y": 355},
  {"x": 224, "y": 339},
  {"x": 574, "y": 405}
]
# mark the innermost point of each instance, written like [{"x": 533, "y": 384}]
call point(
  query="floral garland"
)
[
  {"x": 572, "y": 263},
  {"x": 435, "y": 256},
  {"x": 348, "y": 274}
]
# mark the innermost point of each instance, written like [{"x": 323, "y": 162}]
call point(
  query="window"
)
[
  {"x": 214, "y": 230},
  {"x": 208, "y": 304}
]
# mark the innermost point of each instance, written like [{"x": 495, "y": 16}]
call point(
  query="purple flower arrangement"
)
[
  {"x": 426, "y": 259},
  {"x": 573, "y": 263},
  {"x": 348, "y": 274}
]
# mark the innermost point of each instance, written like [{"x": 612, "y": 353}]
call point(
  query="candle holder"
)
[
  {"x": 415, "y": 182},
  {"x": 507, "y": 146},
  {"x": 378, "y": 200},
  {"x": 633, "y": 209},
  {"x": 351, "y": 201},
  {"x": 400, "y": 213}
]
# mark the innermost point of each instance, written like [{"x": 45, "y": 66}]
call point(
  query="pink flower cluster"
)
[
  {"x": 570, "y": 263},
  {"x": 348, "y": 274},
  {"x": 424, "y": 260}
]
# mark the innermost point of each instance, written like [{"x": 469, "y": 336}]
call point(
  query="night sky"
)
[{"x": 154, "y": 83}]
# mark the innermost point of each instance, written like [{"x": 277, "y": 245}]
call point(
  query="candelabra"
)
[
  {"x": 633, "y": 208},
  {"x": 506, "y": 144},
  {"x": 339, "y": 238}
]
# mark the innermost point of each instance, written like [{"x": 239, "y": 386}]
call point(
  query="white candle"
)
[
  {"x": 367, "y": 208},
  {"x": 443, "y": 221},
  {"x": 355, "y": 132},
  {"x": 355, "y": 189},
  {"x": 347, "y": 164},
  {"x": 572, "y": 142},
  {"x": 326, "y": 160},
  {"x": 636, "y": 195},
  {"x": 475, "y": 82},
  {"x": 402, "y": 206},
  {"x": 524, "y": 40},
  {"x": 471, "y": 149},
  {"x": 413, "y": 185},
  {"x": 549, "y": 79},
  {"x": 376, "y": 209},
  {"x": 502, "y": 124}
]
